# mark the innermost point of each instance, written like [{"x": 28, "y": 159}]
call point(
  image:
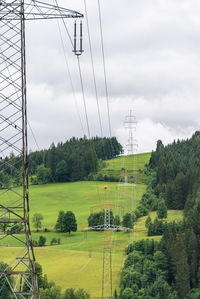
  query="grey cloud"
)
[{"x": 152, "y": 62}]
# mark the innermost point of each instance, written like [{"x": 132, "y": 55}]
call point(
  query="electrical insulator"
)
[{"x": 78, "y": 42}]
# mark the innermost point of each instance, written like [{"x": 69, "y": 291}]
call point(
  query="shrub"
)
[
  {"x": 53, "y": 241},
  {"x": 41, "y": 241}
]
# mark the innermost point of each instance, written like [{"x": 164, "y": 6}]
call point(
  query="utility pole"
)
[{"x": 20, "y": 274}]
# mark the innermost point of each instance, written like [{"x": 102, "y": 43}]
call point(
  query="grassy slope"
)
[
  {"x": 76, "y": 263},
  {"x": 134, "y": 164}
]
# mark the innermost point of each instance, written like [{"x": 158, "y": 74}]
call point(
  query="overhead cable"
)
[
  {"x": 104, "y": 67},
  {"x": 70, "y": 78},
  {"x": 93, "y": 70},
  {"x": 80, "y": 75},
  {"x": 83, "y": 95}
]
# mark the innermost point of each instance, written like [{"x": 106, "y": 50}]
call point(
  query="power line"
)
[
  {"x": 33, "y": 136},
  {"x": 70, "y": 77},
  {"x": 9, "y": 73},
  {"x": 104, "y": 66},
  {"x": 93, "y": 70},
  {"x": 83, "y": 95},
  {"x": 69, "y": 36},
  {"x": 80, "y": 75}
]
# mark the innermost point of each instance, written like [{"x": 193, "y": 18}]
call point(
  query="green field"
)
[
  {"x": 76, "y": 262},
  {"x": 134, "y": 164}
]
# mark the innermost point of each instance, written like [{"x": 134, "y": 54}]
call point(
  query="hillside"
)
[
  {"x": 173, "y": 184},
  {"x": 70, "y": 264},
  {"x": 74, "y": 261},
  {"x": 134, "y": 164}
]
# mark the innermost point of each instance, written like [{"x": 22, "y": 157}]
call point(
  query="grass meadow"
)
[
  {"x": 134, "y": 164},
  {"x": 76, "y": 262}
]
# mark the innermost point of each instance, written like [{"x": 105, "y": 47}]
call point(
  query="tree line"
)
[
  {"x": 175, "y": 171},
  {"x": 71, "y": 161},
  {"x": 169, "y": 269}
]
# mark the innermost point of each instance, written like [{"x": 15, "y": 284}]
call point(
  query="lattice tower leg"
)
[
  {"x": 107, "y": 273},
  {"x": 20, "y": 275}
]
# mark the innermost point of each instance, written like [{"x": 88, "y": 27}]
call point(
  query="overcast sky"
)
[{"x": 152, "y": 54}]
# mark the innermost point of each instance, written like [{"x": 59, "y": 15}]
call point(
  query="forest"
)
[
  {"x": 71, "y": 161},
  {"x": 170, "y": 268}
]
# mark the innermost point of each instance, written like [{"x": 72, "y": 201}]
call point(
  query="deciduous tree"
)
[{"x": 37, "y": 221}]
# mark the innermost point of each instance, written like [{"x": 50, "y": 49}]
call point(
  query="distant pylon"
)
[
  {"x": 130, "y": 123},
  {"x": 20, "y": 274}
]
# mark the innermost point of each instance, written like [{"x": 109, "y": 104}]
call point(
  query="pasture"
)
[
  {"x": 133, "y": 164},
  {"x": 76, "y": 262}
]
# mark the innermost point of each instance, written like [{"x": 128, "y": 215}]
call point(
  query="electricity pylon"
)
[
  {"x": 107, "y": 245},
  {"x": 20, "y": 274},
  {"x": 130, "y": 124}
]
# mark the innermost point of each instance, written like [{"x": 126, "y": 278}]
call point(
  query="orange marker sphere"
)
[{"x": 105, "y": 187}]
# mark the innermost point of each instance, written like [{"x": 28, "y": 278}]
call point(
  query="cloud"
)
[{"x": 153, "y": 67}]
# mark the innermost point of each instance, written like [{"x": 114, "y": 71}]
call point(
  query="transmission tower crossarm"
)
[{"x": 35, "y": 10}]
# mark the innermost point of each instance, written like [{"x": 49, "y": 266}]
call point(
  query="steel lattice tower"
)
[
  {"x": 130, "y": 124},
  {"x": 107, "y": 254},
  {"x": 20, "y": 275},
  {"x": 107, "y": 245}
]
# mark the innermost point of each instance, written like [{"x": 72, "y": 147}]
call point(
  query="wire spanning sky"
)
[{"x": 152, "y": 54}]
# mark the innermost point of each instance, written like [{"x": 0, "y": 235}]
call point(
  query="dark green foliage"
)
[
  {"x": 43, "y": 174},
  {"x": 115, "y": 294},
  {"x": 35, "y": 243},
  {"x": 159, "y": 226},
  {"x": 66, "y": 222},
  {"x": 182, "y": 278},
  {"x": 69, "y": 222},
  {"x": 177, "y": 171},
  {"x": 116, "y": 220},
  {"x": 145, "y": 272},
  {"x": 59, "y": 223},
  {"x": 4, "y": 286},
  {"x": 148, "y": 222},
  {"x": 41, "y": 241},
  {"x": 69, "y": 294},
  {"x": 53, "y": 241},
  {"x": 62, "y": 171},
  {"x": 127, "y": 220},
  {"x": 96, "y": 219},
  {"x": 107, "y": 148},
  {"x": 76, "y": 159},
  {"x": 149, "y": 201},
  {"x": 170, "y": 269},
  {"x": 76, "y": 294},
  {"x": 16, "y": 229},
  {"x": 52, "y": 292},
  {"x": 156, "y": 228},
  {"x": 127, "y": 294},
  {"x": 162, "y": 209},
  {"x": 144, "y": 246}
]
